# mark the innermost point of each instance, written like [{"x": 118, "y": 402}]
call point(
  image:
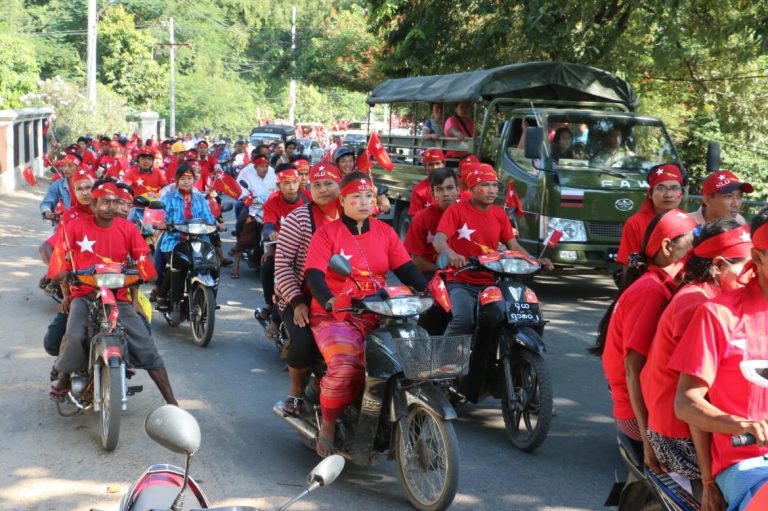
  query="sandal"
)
[
  {"x": 57, "y": 393},
  {"x": 293, "y": 406},
  {"x": 234, "y": 275},
  {"x": 322, "y": 441},
  {"x": 271, "y": 331}
]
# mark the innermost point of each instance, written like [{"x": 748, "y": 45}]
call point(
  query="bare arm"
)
[
  {"x": 633, "y": 365},
  {"x": 423, "y": 264},
  {"x": 441, "y": 246}
]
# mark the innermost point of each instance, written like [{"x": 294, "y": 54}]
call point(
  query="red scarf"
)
[{"x": 187, "y": 196}]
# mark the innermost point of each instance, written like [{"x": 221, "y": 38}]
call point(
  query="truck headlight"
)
[{"x": 573, "y": 230}]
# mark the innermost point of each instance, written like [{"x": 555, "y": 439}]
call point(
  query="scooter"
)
[
  {"x": 147, "y": 216},
  {"x": 507, "y": 348},
  {"x": 164, "y": 487},
  {"x": 252, "y": 255},
  {"x": 403, "y": 411},
  {"x": 102, "y": 386}
]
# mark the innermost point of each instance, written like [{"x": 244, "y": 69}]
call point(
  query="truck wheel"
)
[{"x": 403, "y": 223}]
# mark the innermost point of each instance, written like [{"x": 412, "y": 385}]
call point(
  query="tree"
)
[{"x": 18, "y": 70}]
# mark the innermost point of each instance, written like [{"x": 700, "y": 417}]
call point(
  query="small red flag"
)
[
  {"x": 248, "y": 201},
  {"x": 439, "y": 292},
  {"x": 29, "y": 176},
  {"x": 226, "y": 184},
  {"x": 146, "y": 267},
  {"x": 513, "y": 200},
  {"x": 154, "y": 217},
  {"x": 553, "y": 238},
  {"x": 364, "y": 162},
  {"x": 377, "y": 150},
  {"x": 215, "y": 207},
  {"x": 46, "y": 125}
]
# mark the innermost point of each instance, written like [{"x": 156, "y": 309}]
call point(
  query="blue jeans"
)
[
  {"x": 463, "y": 304},
  {"x": 742, "y": 480},
  {"x": 55, "y": 333}
]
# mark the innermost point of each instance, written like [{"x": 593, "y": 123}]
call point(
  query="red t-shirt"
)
[
  {"x": 204, "y": 182},
  {"x": 170, "y": 169},
  {"x": 277, "y": 208},
  {"x": 634, "y": 231},
  {"x": 372, "y": 254},
  {"x": 723, "y": 332},
  {"x": 208, "y": 164},
  {"x": 143, "y": 182},
  {"x": 473, "y": 232},
  {"x": 89, "y": 160},
  {"x": 633, "y": 325},
  {"x": 114, "y": 168},
  {"x": 421, "y": 197},
  {"x": 90, "y": 244},
  {"x": 422, "y": 232},
  {"x": 659, "y": 383}
]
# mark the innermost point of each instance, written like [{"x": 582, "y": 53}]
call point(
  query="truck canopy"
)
[{"x": 534, "y": 80}]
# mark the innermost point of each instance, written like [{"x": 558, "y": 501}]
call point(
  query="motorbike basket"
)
[{"x": 434, "y": 358}]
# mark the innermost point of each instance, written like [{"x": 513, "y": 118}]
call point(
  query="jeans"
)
[
  {"x": 741, "y": 481},
  {"x": 463, "y": 304},
  {"x": 55, "y": 333}
]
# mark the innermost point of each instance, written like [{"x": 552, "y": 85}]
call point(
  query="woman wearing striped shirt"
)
[{"x": 290, "y": 256}]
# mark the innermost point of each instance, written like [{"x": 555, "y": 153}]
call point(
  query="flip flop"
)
[
  {"x": 327, "y": 443},
  {"x": 234, "y": 275},
  {"x": 57, "y": 393}
]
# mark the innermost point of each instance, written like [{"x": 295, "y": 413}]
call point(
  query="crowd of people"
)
[{"x": 690, "y": 309}]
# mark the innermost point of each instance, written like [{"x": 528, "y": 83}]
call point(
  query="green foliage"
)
[{"x": 18, "y": 70}]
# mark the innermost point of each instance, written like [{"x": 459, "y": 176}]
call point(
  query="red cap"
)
[
  {"x": 260, "y": 160},
  {"x": 105, "y": 189},
  {"x": 672, "y": 224},
  {"x": 324, "y": 170},
  {"x": 83, "y": 174},
  {"x": 666, "y": 172},
  {"x": 433, "y": 154},
  {"x": 476, "y": 173},
  {"x": 301, "y": 164},
  {"x": 287, "y": 175},
  {"x": 191, "y": 154},
  {"x": 70, "y": 159},
  {"x": 724, "y": 181},
  {"x": 146, "y": 151}
]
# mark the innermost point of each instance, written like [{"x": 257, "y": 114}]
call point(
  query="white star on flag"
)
[
  {"x": 86, "y": 245},
  {"x": 345, "y": 256},
  {"x": 745, "y": 237},
  {"x": 465, "y": 232},
  {"x": 484, "y": 295},
  {"x": 378, "y": 145},
  {"x": 430, "y": 237},
  {"x": 103, "y": 292},
  {"x": 441, "y": 285},
  {"x": 682, "y": 215}
]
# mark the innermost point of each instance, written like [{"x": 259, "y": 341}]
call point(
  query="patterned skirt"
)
[{"x": 677, "y": 454}]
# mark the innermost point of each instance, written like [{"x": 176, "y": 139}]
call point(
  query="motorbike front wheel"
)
[
  {"x": 527, "y": 401},
  {"x": 427, "y": 457},
  {"x": 203, "y": 315},
  {"x": 111, "y": 406}
]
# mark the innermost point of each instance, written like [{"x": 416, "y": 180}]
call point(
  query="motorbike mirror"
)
[
  {"x": 442, "y": 261},
  {"x": 534, "y": 137},
  {"x": 157, "y": 204},
  {"x": 173, "y": 428},
  {"x": 326, "y": 471},
  {"x": 227, "y": 207},
  {"x": 244, "y": 184},
  {"x": 339, "y": 265},
  {"x": 141, "y": 202},
  {"x": 755, "y": 371}
]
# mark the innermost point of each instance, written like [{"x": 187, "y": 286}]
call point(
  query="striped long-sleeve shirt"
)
[{"x": 291, "y": 255}]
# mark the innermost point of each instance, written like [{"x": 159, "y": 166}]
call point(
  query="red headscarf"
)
[
  {"x": 80, "y": 174},
  {"x": 672, "y": 224},
  {"x": 734, "y": 243},
  {"x": 476, "y": 173}
]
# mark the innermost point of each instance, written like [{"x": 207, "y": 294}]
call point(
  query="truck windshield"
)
[{"x": 598, "y": 141}]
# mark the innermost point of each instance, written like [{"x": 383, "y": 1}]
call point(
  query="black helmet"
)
[{"x": 342, "y": 151}]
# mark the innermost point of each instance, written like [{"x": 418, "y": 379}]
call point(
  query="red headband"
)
[
  {"x": 70, "y": 159},
  {"x": 324, "y": 170},
  {"x": 83, "y": 175},
  {"x": 260, "y": 160},
  {"x": 105, "y": 189},
  {"x": 433, "y": 154},
  {"x": 667, "y": 172},
  {"x": 301, "y": 164},
  {"x": 673, "y": 224},
  {"x": 760, "y": 242},
  {"x": 123, "y": 194},
  {"x": 361, "y": 185},
  {"x": 287, "y": 175},
  {"x": 476, "y": 173},
  {"x": 734, "y": 243}
]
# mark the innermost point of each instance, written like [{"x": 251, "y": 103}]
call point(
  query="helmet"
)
[
  {"x": 178, "y": 147},
  {"x": 342, "y": 151}
]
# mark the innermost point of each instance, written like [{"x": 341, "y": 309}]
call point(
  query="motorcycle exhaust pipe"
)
[{"x": 299, "y": 425}]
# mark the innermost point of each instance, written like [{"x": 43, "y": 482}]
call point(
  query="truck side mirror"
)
[
  {"x": 534, "y": 137},
  {"x": 713, "y": 156}
]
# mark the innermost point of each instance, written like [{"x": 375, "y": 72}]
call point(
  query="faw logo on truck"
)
[{"x": 624, "y": 204}]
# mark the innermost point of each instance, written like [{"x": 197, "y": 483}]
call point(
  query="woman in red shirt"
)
[
  {"x": 628, "y": 326},
  {"x": 373, "y": 249}
]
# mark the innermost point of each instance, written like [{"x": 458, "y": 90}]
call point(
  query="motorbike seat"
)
[
  {"x": 632, "y": 448},
  {"x": 155, "y": 497}
]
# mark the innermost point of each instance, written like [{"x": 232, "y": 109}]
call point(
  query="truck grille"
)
[{"x": 606, "y": 229}]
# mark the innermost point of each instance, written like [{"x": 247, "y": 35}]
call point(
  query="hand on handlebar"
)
[
  {"x": 758, "y": 429},
  {"x": 546, "y": 264},
  {"x": 456, "y": 260},
  {"x": 49, "y": 215}
]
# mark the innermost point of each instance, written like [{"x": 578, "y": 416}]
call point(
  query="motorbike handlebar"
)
[{"x": 743, "y": 440}]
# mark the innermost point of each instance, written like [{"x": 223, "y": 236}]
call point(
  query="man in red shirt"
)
[
  {"x": 96, "y": 239},
  {"x": 470, "y": 229},
  {"x": 712, "y": 394},
  {"x": 423, "y": 229},
  {"x": 144, "y": 178},
  {"x": 113, "y": 165},
  {"x": 208, "y": 162},
  {"x": 421, "y": 196}
]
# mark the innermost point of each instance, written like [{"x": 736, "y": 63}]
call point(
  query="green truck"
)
[{"x": 587, "y": 190}]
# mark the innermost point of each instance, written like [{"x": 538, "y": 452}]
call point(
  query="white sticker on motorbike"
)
[
  {"x": 516, "y": 292},
  {"x": 196, "y": 246}
]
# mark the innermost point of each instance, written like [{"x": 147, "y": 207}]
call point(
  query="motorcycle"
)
[
  {"x": 164, "y": 487},
  {"x": 147, "y": 216},
  {"x": 253, "y": 254},
  {"x": 102, "y": 386},
  {"x": 194, "y": 269},
  {"x": 403, "y": 411},
  {"x": 507, "y": 348},
  {"x": 649, "y": 491}
]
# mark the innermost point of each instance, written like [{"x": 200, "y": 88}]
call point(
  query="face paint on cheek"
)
[
  {"x": 353, "y": 203},
  {"x": 678, "y": 195}
]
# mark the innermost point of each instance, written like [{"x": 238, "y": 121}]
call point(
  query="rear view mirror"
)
[
  {"x": 227, "y": 207},
  {"x": 326, "y": 471},
  {"x": 173, "y": 428},
  {"x": 157, "y": 204},
  {"x": 243, "y": 183},
  {"x": 713, "y": 156},
  {"x": 141, "y": 202},
  {"x": 339, "y": 265},
  {"x": 534, "y": 137}
]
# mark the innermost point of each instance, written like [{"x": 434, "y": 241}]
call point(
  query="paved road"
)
[{"x": 248, "y": 456}]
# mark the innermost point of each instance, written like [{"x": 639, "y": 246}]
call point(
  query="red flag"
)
[
  {"x": 513, "y": 200},
  {"x": 108, "y": 298},
  {"x": 29, "y": 176},
  {"x": 439, "y": 292},
  {"x": 47, "y": 161},
  {"x": 146, "y": 267},
  {"x": 378, "y": 151},
  {"x": 154, "y": 217},
  {"x": 215, "y": 207},
  {"x": 553, "y": 238},
  {"x": 226, "y": 184},
  {"x": 364, "y": 162},
  {"x": 46, "y": 125},
  {"x": 248, "y": 201}
]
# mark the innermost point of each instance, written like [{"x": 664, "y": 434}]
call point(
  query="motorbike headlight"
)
[
  {"x": 200, "y": 228},
  {"x": 110, "y": 280},
  {"x": 514, "y": 266},
  {"x": 409, "y": 305},
  {"x": 573, "y": 230}
]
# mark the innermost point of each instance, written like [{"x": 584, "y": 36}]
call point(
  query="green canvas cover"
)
[{"x": 533, "y": 80}]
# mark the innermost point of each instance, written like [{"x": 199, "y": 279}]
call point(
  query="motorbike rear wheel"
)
[
  {"x": 111, "y": 406},
  {"x": 527, "y": 406},
  {"x": 427, "y": 457},
  {"x": 203, "y": 315}
]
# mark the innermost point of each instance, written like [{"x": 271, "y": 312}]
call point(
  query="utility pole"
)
[
  {"x": 90, "y": 57},
  {"x": 292, "y": 90},
  {"x": 172, "y": 59}
]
